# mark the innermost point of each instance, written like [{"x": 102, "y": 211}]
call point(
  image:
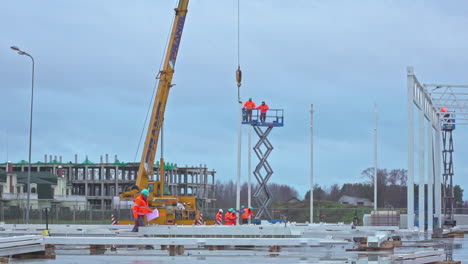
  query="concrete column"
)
[
  {"x": 438, "y": 177},
  {"x": 430, "y": 174},
  {"x": 85, "y": 176},
  {"x": 410, "y": 180},
  {"x": 421, "y": 195},
  {"x": 116, "y": 184}
]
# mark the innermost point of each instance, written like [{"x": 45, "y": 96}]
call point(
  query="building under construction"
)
[{"x": 100, "y": 182}]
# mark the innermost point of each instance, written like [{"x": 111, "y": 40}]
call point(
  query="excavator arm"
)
[{"x": 159, "y": 106}]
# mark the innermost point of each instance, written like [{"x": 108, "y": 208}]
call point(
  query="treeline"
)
[
  {"x": 226, "y": 193},
  {"x": 391, "y": 185}
]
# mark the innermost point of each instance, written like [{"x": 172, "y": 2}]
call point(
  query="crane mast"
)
[{"x": 159, "y": 107}]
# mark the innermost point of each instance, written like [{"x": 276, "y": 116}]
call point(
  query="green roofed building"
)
[
  {"x": 99, "y": 182},
  {"x": 45, "y": 187}
]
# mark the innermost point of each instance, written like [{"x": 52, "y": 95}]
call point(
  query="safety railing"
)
[
  {"x": 255, "y": 117},
  {"x": 448, "y": 120}
]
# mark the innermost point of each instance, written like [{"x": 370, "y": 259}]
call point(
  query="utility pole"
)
[
  {"x": 375, "y": 157},
  {"x": 311, "y": 163}
]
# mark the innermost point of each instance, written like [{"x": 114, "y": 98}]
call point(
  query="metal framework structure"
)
[
  {"x": 428, "y": 174},
  {"x": 455, "y": 99},
  {"x": 429, "y": 99},
  {"x": 263, "y": 170}
]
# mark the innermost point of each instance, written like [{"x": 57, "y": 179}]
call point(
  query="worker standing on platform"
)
[
  {"x": 263, "y": 110},
  {"x": 219, "y": 217},
  {"x": 140, "y": 209},
  {"x": 445, "y": 110},
  {"x": 248, "y": 106}
]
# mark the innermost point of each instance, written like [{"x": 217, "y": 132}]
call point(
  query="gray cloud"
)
[{"x": 96, "y": 63}]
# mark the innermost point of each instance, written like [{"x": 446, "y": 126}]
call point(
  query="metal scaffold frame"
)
[
  {"x": 263, "y": 170},
  {"x": 455, "y": 99},
  {"x": 429, "y": 99},
  {"x": 263, "y": 195}
]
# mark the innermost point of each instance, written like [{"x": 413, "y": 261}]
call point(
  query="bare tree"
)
[{"x": 335, "y": 192}]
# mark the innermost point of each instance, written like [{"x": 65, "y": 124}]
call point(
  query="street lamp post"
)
[{"x": 20, "y": 52}]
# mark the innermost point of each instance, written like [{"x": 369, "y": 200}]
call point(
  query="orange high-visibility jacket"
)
[
  {"x": 246, "y": 213},
  {"x": 249, "y": 105},
  {"x": 140, "y": 207},
  {"x": 230, "y": 218},
  {"x": 263, "y": 108}
]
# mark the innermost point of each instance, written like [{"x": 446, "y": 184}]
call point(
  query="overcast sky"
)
[{"x": 96, "y": 62}]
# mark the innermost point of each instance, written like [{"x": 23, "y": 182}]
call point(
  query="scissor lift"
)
[
  {"x": 448, "y": 125},
  {"x": 274, "y": 118}
]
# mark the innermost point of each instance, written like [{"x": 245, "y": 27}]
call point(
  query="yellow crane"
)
[{"x": 172, "y": 209}]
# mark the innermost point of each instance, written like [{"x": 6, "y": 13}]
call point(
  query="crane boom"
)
[{"x": 159, "y": 107}]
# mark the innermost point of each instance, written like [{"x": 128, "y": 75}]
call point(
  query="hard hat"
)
[
  {"x": 251, "y": 208},
  {"x": 250, "y": 98},
  {"x": 444, "y": 109},
  {"x": 220, "y": 210},
  {"x": 145, "y": 192},
  {"x": 242, "y": 207}
]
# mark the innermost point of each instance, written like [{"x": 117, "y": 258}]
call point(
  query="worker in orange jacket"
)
[
  {"x": 246, "y": 212},
  {"x": 230, "y": 217},
  {"x": 445, "y": 110},
  {"x": 219, "y": 217},
  {"x": 140, "y": 208},
  {"x": 248, "y": 106},
  {"x": 263, "y": 110}
]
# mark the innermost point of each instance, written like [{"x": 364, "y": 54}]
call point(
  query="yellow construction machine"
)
[{"x": 172, "y": 209}]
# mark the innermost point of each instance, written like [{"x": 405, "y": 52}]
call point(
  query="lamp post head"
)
[{"x": 20, "y": 52}]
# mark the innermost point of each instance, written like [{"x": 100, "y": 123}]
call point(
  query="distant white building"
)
[
  {"x": 45, "y": 188},
  {"x": 345, "y": 199}
]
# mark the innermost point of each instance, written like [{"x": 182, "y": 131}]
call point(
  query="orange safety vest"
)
[
  {"x": 263, "y": 108},
  {"x": 230, "y": 218},
  {"x": 140, "y": 207},
  {"x": 249, "y": 105},
  {"x": 246, "y": 213}
]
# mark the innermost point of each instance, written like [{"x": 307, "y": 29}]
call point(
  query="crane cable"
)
[{"x": 238, "y": 71}]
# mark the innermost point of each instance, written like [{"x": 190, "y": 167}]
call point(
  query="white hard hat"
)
[{"x": 221, "y": 210}]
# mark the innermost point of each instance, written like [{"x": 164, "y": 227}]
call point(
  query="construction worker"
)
[
  {"x": 219, "y": 217},
  {"x": 248, "y": 106},
  {"x": 263, "y": 110},
  {"x": 230, "y": 217},
  {"x": 244, "y": 216},
  {"x": 247, "y": 215},
  {"x": 445, "y": 110},
  {"x": 140, "y": 209}
]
